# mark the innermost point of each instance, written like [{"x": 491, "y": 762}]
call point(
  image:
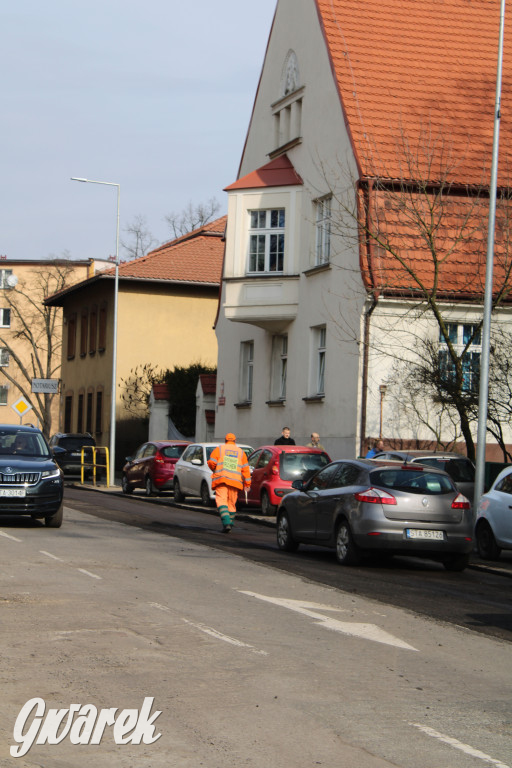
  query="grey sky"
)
[{"x": 155, "y": 96}]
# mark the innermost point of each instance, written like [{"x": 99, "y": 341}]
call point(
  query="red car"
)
[
  {"x": 152, "y": 466},
  {"x": 274, "y": 468}
]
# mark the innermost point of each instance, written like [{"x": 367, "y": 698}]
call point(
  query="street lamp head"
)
[{"x": 75, "y": 178}]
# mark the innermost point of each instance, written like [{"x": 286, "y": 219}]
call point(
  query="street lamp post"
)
[
  {"x": 112, "y": 446},
  {"x": 382, "y": 390}
]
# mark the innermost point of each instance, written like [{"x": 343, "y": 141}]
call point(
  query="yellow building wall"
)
[
  {"x": 157, "y": 325},
  {"x": 30, "y": 275}
]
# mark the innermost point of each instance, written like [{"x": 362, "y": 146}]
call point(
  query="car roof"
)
[
  {"x": 290, "y": 448},
  {"x": 168, "y": 442},
  {"x": 376, "y": 463},
  {"x": 415, "y": 454},
  {"x": 29, "y": 428}
]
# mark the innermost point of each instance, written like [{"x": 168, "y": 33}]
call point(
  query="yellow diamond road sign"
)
[{"x": 21, "y": 406}]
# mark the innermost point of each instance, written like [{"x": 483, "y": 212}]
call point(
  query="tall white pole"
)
[
  {"x": 112, "y": 442},
  {"x": 486, "y": 326}
]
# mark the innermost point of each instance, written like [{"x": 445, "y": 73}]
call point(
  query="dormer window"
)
[{"x": 266, "y": 241}]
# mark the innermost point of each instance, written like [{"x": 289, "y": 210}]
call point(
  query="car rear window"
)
[
  {"x": 460, "y": 470},
  {"x": 295, "y": 466},
  {"x": 173, "y": 451},
  {"x": 75, "y": 443},
  {"x": 428, "y": 483}
]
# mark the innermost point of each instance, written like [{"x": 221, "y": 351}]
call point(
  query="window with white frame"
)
[
  {"x": 323, "y": 230},
  {"x": 3, "y": 395},
  {"x": 318, "y": 360},
  {"x": 4, "y": 274},
  {"x": 4, "y": 357},
  {"x": 466, "y": 340},
  {"x": 5, "y": 318},
  {"x": 266, "y": 241},
  {"x": 279, "y": 367},
  {"x": 246, "y": 371}
]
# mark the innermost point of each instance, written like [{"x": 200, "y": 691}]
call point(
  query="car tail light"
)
[
  {"x": 159, "y": 459},
  {"x": 375, "y": 496},
  {"x": 275, "y": 469},
  {"x": 460, "y": 502}
]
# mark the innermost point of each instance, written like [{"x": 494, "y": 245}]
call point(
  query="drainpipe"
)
[{"x": 371, "y": 303}]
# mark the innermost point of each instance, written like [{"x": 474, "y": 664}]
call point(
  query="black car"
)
[
  {"x": 69, "y": 458},
  {"x": 31, "y": 482}
]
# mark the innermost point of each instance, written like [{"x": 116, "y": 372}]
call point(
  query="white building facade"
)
[{"x": 303, "y": 342}]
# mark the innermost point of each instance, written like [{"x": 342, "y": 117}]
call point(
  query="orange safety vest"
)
[{"x": 229, "y": 466}]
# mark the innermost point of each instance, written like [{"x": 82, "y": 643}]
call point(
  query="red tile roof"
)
[
  {"x": 208, "y": 382},
  {"x": 278, "y": 173},
  {"x": 193, "y": 258},
  {"x": 417, "y": 84},
  {"x": 425, "y": 71},
  {"x": 417, "y": 261},
  {"x": 161, "y": 392}
]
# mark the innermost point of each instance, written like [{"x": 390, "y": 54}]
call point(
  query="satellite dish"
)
[{"x": 11, "y": 281}]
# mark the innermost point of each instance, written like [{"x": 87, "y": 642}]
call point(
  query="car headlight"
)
[{"x": 51, "y": 473}]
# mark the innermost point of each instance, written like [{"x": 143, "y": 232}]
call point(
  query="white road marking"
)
[
  {"x": 366, "y": 631},
  {"x": 8, "y": 536},
  {"x": 88, "y": 573},
  {"x": 160, "y": 607},
  {"x": 49, "y": 554},
  {"x": 459, "y": 745},
  {"x": 219, "y": 636}
]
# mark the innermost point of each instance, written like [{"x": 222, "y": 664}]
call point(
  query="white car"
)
[
  {"x": 493, "y": 528},
  {"x": 193, "y": 476}
]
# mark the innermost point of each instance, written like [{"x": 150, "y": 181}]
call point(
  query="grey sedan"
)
[{"x": 365, "y": 506}]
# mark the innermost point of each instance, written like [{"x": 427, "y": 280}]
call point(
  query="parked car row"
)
[
  {"x": 414, "y": 503},
  {"x": 399, "y": 502}
]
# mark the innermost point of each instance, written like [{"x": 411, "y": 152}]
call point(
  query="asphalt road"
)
[
  {"x": 254, "y": 658},
  {"x": 478, "y": 599}
]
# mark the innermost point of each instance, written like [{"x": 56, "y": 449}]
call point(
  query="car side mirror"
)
[
  {"x": 197, "y": 462},
  {"x": 57, "y": 450},
  {"x": 128, "y": 458},
  {"x": 298, "y": 485}
]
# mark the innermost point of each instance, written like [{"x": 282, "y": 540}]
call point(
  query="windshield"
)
[
  {"x": 75, "y": 443},
  {"x": 172, "y": 451},
  {"x": 428, "y": 483},
  {"x": 295, "y": 466},
  {"x": 17, "y": 442}
]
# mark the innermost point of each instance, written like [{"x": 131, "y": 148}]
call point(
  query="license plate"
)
[
  {"x": 13, "y": 492},
  {"x": 419, "y": 533}
]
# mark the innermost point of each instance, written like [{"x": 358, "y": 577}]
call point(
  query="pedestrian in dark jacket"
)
[{"x": 285, "y": 438}]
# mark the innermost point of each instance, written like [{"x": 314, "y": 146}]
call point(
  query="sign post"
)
[{"x": 21, "y": 406}]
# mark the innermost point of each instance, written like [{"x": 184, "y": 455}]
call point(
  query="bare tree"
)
[
  {"x": 136, "y": 389},
  {"x": 422, "y": 240},
  {"x": 34, "y": 339},
  {"x": 192, "y": 217},
  {"x": 141, "y": 241}
]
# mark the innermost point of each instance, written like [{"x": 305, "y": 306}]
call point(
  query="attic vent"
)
[{"x": 290, "y": 80}]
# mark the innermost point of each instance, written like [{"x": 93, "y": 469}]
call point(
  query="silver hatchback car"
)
[{"x": 364, "y": 506}]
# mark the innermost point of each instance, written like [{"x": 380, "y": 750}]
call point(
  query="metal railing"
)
[{"x": 94, "y": 464}]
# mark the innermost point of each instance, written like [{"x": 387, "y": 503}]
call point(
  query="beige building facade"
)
[
  {"x": 166, "y": 308},
  {"x": 31, "y": 336}
]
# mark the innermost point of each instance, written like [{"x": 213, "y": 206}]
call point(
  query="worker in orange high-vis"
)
[{"x": 231, "y": 474}]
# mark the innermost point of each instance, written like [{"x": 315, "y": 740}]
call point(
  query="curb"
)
[{"x": 269, "y": 522}]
